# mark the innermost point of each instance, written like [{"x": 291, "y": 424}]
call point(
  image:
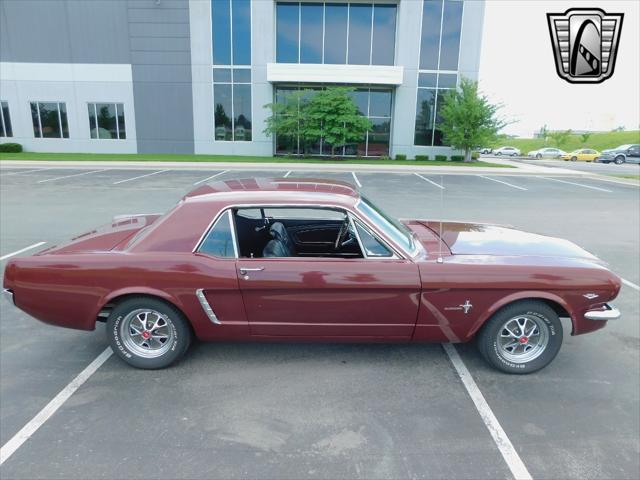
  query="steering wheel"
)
[{"x": 344, "y": 228}]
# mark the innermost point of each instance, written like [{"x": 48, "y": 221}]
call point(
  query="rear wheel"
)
[
  {"x": 619, "y": 160},
  {"x": 521, "y": 338},
  {"x": 573, "y": 159},
  {"x": 148, "y": 333},
  {"x": 538, "y": 156}
]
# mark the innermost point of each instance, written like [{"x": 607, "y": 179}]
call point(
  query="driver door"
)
[{"x": 337, "y": 297}]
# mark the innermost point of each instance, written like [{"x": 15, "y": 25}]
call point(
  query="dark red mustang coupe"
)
[{"x": 313, "y": 260}]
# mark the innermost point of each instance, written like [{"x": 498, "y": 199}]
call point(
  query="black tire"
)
[
  {"x": 498, "y": 154},
  {"x": 176, "y": 328},
  {"x": 538, "y": 156},
  {"x": 487, "y": 338},
  {"x": 619, "y": 160},
  {"x": 573, "y": 159}
]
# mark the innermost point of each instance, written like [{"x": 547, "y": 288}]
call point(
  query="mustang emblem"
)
[
  {"x": 590, "y": 296},
  {"x": 466, "y": 306}
]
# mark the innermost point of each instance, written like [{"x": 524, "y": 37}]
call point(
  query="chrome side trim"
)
[
  {"x": 610, "y": 313},
  {"x": 8, "y": 295},
  {"x": 206, "y": 307}
]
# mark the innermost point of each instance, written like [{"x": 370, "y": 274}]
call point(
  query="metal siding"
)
[{"x": 161, "y": 69}]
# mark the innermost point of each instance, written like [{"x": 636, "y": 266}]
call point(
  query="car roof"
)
[{"x": 274, "y": 188}]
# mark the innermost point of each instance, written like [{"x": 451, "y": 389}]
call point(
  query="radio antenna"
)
[{"x": 440, "y": 259}]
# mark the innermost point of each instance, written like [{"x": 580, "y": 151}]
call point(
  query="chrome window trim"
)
[
  {"x": 393, "y": 256},
  {"x": 399, "y": 251}
]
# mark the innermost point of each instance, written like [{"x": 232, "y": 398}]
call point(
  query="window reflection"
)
[
  {"x": 49, "y": 119},
  {"x": 221, "y": 27},
  {"x": 5, "y": 121},
  {"x": 106, "y": 120},
  {"x": 241, "y": 16},
  {"x": 451, "y": 26},
  {"x": 365, "y": 30}
]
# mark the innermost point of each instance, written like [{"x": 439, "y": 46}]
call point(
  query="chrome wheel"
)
[
  {"x": 147, "y": 333},
  {"x": 523, "y": 338}
]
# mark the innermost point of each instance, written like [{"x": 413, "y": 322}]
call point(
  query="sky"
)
[{"x": 517, "y": 69}]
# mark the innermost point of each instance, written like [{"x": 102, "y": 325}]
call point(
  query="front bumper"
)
[{"x": 608, "y": 312}]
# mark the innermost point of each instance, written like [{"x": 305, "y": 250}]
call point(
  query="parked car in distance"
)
[
  {"x": 485, "y": 150},
  {"x": 511, "y": 151},
  {"x": 313, "y": 260},
  {"x": 546, "y": 152},
  {"x": 622, "y": 154},
  {"x": 582, "y": 155}
]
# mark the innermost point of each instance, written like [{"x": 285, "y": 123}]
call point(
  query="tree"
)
[
  {"x": 544, "y": 134},
  {"x": 585, "y": 137},
  {"x": 308, "y": 116},
  {"x": 468, "y": 119},
  {"x": 560, "y": 137}
]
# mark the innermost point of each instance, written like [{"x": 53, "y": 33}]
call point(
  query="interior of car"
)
[{"x": 295, "y": 232}]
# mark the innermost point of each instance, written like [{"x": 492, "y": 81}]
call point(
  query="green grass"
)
[
  {"x": 597, "y": 141},
  {"x": 630, "y": 177},
  {"x": 105, "y": 157}
]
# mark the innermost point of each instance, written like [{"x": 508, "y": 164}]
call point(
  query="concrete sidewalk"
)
[{"x": 517, "y": 168}]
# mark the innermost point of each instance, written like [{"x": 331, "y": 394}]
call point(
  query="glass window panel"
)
[
  {"x": 36, "y": 122},
  {"x": 121, "y": 125},
  {"x": 427, "y": 80},
  {"x": 222, "y": 112},
  {"x": 311, "y": 17},
  {"x": 360, "y": 34},
  {"x": 106, "y": 115},
  {"x": 287, "y": 32},
  {"x": 380, "y": 103},
  {"x": 335, "y": 33},
  {"x": 7, "y": 130},
  {"x": 447, "y": 80},
  {"x": 241, "y": 16},
  {"x": 430, "y": 41},
  {"x": 379, "y": 137},
  {"x": 371, "y": 245},
  {"x": 361, "y": 99},
  {"x": 221, "y": 26},
  {"x": 219, "y": 240},
  {"x": 304, "y": 214},
  {"x": 63, "y": 117},
  {"x": 242, "y": 113},
  {"x": 241, "y": 75},
  {"x": 93, "y": 132},
  {"x": 222, "y": 75},
  {"x": 438, "y": 139},
  {"x": 424, "y": 116},
  {"x": 50, "y": 120},
  {"x": 384, "y": 34},
  {"x": 451, "y": 25}
]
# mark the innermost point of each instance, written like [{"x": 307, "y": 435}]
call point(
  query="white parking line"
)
[
  {"x": 69, "y": 176},
  {"x": 630, "y": 284},
  {"x": 578, "y": 184},
  {"x": 511, "y": 457},
  {"x": 504, "y": 183},
  {"x": 287, "y": 174},
  {"x": 9, "y": 255},
  {"x": 430, "y": 181},
  {"x": 356, "y": 179},
  {"x": 140, "y": 176},
  {"x": 27, "y": 171},
  {"x": 209, "y": 178},
  {"x": 43, "y": 415}
]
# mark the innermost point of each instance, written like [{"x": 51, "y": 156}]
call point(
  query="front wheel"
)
[
  {"x": 573, "y": 159},
  {"x": 498, "y": 154},
  {"x": 148, "y": 333},
  {"x": 521, "y": 338},
  {"x": 538, "y": 156},
  {"x": 619, "y": 160}
]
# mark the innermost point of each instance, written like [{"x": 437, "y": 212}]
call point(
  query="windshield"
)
[
  {"x": 392, "y": 227},
  {"x": 624, "y": 147}
]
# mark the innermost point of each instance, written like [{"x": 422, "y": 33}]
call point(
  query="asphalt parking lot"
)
[
  {"x": 322, "y": 411},
  {"x": 591, "y": 167}
]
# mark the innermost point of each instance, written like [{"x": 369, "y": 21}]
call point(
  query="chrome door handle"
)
[{"x": 244, "y": 270}]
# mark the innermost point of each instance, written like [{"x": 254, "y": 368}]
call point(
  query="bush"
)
[
  {"x": 422, "y": 158},
  {"x": 441, "y": 158},
  {"x": 10, "y": 147},
  {"x": 457, "y": 158},
  {"x": 401, "y": 156},
  {"x": 475, "y": 155},
  {"x": 384, "y": 157}
]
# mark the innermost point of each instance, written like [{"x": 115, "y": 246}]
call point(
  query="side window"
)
[
  {"x": 219, "y": 241},
  {"x": 370, "y": 244},
  {"x": 303, "y": 214}
]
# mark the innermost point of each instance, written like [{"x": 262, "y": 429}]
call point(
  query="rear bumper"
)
[
  {"x": 608, "y": 312},
  {"x": 8, "y": 295}
]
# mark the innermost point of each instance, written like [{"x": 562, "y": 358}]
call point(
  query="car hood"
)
[{"x": 484, "y": 239}]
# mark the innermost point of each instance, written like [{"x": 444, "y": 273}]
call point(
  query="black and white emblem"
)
[{"x": 585, "y": 43}]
